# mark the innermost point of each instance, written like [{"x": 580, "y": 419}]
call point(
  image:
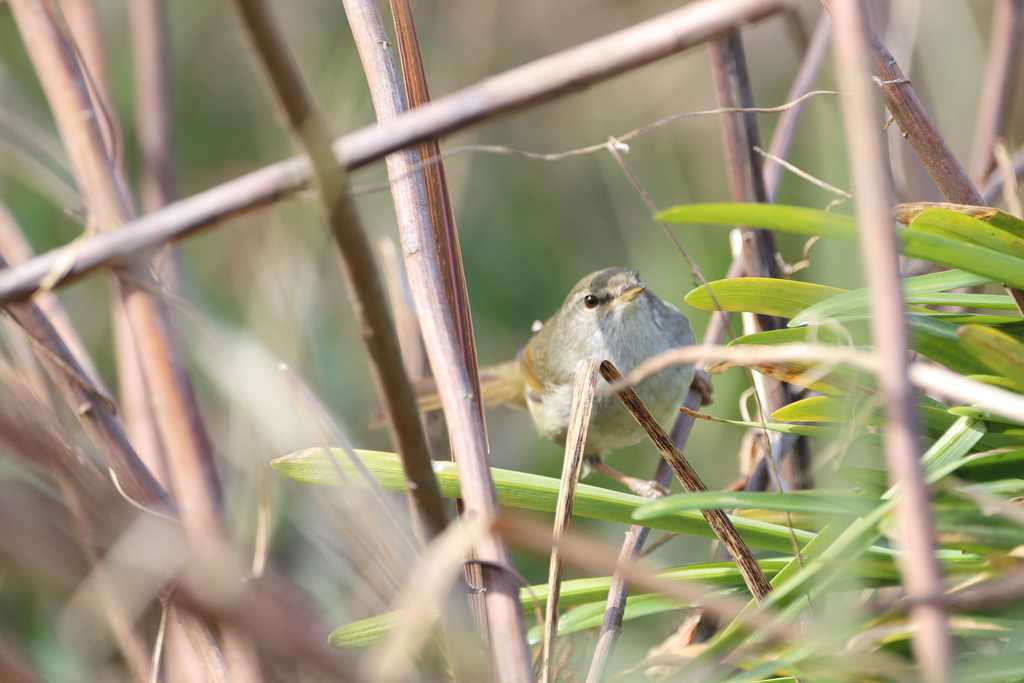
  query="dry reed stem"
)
[
  {"x": 632, "y": 545},
  {"x": 530, "y": 84},
  {"x": 462, "y": 410},
  {"x": 363, "y": 278},
  {"x": 918, "y": 128},
  {"x": 442, "y": 218},
  {"x": 994, "y": 184},
  {"x": 151, "y": 52},
  {"x": 190, "y": 457},
  {"x": 154, "y": 96},
  {"x": 95, "y": 414},
  {"x": 17, "y": 250},
  {"x": 785, "y": 129},
  {"x": 94, "y": 153},
  {"x": 753, "y": 576},
  {"x": 880, "y": 258},
  {"x": 997, "y": 88},
  {"x": 583, "y": 389}
]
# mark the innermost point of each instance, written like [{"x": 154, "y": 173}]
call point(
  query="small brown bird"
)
[{"x": 609, "y": 315}]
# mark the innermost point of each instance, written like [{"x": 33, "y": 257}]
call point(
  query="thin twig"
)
[
  {"x": 782, "y": 163},
  {"x": 880, "y": 258}
]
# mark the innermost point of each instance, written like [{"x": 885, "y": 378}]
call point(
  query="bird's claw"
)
[{"x": 704, "y": 386}]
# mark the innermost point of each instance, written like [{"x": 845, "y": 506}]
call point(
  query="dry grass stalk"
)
[
  {"x": 446, "y": 236},
  {"x": 455, "y": 383},
  {"x": 527, "y": 85},
  {"x": 583, "y": 388},
  {"x": 753, "y": 576},
  {"x": 880, "y": 258}
]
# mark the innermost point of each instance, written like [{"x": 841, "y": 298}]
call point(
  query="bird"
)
[{"x": 610, "y": 315}]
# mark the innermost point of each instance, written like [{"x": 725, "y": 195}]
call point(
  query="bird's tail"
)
[{"x": 500, "y": 385}]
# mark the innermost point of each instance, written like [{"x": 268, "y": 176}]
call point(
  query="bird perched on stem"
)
[{"x": 609, "y": 315}]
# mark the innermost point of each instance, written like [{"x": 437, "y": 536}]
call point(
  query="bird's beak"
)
[{"x": 629, "y": 293}]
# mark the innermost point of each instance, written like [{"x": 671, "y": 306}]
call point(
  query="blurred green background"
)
[{"x": 266, "y": 288}]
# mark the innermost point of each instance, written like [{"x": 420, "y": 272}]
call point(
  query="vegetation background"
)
[{"x": 267, "y": 288}]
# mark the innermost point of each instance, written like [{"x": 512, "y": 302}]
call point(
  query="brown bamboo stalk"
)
[
  {"x": 880, "y": 257},
  {"x": 364, "y": 281},
  {"x": 454, "y": 380},
  {"x": 530, "y": 84},
  {"x": 753, "y": 576},
  {"x": 997, "y": 85},
  {"x": 785, "y": 129},
  {"x": 583, "y": 388}
]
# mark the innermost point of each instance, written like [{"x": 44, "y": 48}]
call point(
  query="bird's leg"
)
[{"x": 641, "y": 487}]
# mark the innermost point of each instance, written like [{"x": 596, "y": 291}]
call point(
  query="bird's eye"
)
[{"x": 590, "y": 301}]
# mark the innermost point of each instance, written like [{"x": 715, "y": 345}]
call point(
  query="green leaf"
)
[
  {"x": 998, "y": 350},
  {"x": 944, "y": 251},
  {"x": 993, "y": 466},
  {"x": 858, "y": 298},
  {"x": 521, "y": 490},
  {"x": 767, "y": 296},
  {"x": 974, "y": 532},
  {"x": 993, "y": 302},
  {"x": 591, "y": 615},
  {"x": 866, "y": 478},
  {"x": 958, "y": 226},
  {"x": 794, "y": 219},
  {"x": 807, "y": 502},
  {"x": 373, "y": 630},
  {"x": 850, "y": 433},
  {"x": 936, "y": 339}
]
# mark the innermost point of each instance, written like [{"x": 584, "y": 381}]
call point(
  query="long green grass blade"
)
[
  {"x": 997, "y": 350},
  {"x": 858, "y": 299},
  {"x": 527, "y": 491},
  {"x": 816, "y": 502}
]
